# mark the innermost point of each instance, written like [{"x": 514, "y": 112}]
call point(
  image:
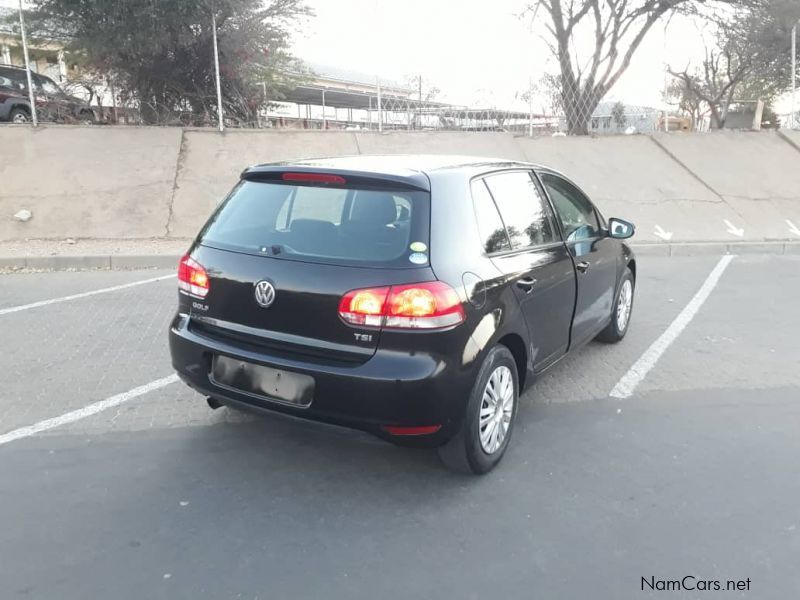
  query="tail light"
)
[
  {"x": 314, "y": 178},
  {"x": 192, "y": 277},
  {"x": 430, "y": 305}
]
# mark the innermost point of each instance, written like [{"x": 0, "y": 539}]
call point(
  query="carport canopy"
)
[{"x": 338, "y": 98}]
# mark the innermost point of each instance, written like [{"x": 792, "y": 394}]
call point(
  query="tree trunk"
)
[
  {"x": 717, "y": 116},
  {"x": 579, "y": 103},
  {"x": 579, "y": 108},
  {"x": 147, "y": 110}
]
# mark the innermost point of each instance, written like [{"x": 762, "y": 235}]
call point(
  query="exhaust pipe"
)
[{"x": 213, "y": 403}]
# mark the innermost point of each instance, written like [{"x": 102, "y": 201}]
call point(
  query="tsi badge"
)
[{"x": 265, "y": 293}]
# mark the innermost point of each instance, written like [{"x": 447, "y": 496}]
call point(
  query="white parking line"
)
[
  {"x": 13, "y": 309},
  {"x": 86, "y": 411},
  {"x": 636, "y": 374}
]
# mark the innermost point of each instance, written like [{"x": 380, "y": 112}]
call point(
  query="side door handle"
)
[
  {"x": 526, "y": 284},
  {"x": 583, "y": 266}
]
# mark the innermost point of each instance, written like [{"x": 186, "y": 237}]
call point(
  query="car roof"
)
[
  {"x": 4, "y": 67},
  {"x": 388, "y": 163},
  {"x": 34, "y": 74},
  {"x": 397, "y": 163},
  {"x": 410, "y": 167}
]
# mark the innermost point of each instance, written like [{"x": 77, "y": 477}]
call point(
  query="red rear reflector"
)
[
  {"x": 314, "y": 178},
  {"x": 429, "y": 305},
  {"x": 192, "y": 277},
  {"x": 423, "y": 430}
]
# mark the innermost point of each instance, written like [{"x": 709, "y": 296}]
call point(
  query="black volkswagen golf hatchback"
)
[{"x": 413, "y": 297}]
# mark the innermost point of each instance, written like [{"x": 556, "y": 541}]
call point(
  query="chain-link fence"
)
[
  {"x": 343, "y": 100},
  {"x": 322, "y": 107},
  {"x": 319, "y": 107}
]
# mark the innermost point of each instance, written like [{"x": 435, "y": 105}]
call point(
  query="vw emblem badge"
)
[{"x": 265, "y": 293}]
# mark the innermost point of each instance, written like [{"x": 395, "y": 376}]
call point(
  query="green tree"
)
[
  {"x": 687, "y": 101},
  {"x": 161, "y": 52},
  {"x": 618, "y": 115}
]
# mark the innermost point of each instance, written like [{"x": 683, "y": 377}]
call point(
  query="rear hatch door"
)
[{"x": 311, "y": 242}]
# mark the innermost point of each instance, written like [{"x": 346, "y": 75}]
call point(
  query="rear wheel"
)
[
  {"x": 19, "y": 115},
  {"x": 621, "y": 313},
  {"x": 490, "y": 416}
]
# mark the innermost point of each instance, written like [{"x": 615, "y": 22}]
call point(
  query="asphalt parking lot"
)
[{"x": 696, "y": 474}]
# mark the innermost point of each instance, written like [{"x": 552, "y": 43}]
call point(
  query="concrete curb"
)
[
  {"x": 715, "y": 248},
  {"x": 83, "y": 263},
  {"x": 168, "y": 261}
]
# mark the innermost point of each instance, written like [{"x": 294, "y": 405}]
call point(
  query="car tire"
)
[
  {"x": 621, "y": 311},
  {"x": 474, "y": 450},
  {"x": 18, "y": 115}
]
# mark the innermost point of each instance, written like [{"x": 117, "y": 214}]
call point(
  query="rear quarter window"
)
[
  {"x": 322, "y": 224},
  {"x": 490, "y": 225}
]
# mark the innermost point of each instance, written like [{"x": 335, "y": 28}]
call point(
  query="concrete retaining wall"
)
[
  {"x": 155, "y": 182},
  {"x": 757, "y": 175},
  {"x": 210, "y": 165},
  {"x": 86, "y": 182},
  {"x": 633, "y": 178}
]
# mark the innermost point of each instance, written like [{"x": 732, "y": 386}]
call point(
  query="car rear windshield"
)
[{"x": 323, "y": 224}]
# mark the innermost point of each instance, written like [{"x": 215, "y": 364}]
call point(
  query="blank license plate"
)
[{"x": 266, "y": 382}]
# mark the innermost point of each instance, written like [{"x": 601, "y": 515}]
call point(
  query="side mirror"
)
[{"x": 620, "y": 229}]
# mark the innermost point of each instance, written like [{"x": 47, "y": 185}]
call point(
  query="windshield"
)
[{"x": 323, "y": 224}]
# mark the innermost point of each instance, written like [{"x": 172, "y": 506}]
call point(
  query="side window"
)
[
  {"x": 490, "y": 226},
  {"x": 578, "y": 218},
  {"x": 49, "y": 87},
  {"x": 16, "y": 80},
  {"x": 524, "y": 211}
]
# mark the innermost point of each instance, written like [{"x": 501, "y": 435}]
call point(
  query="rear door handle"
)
[
  {"x": 583, "y": 266},
  {"x": 526, "y": 284}
]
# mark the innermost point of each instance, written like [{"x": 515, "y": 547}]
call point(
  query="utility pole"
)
[
  {"x": 664, "y": 92},
  {"x": 419, "y": 101},
  {"x": 324, "y": 120},
  {"x": 794, "y": 75},
  {"x": 530, "y": 106},
  {"x": 380, "y": 107},
  {"x": 266, "y": 106},
  {"x": 216, "y": 72},
  {"x": 114, "y": 101},
  {"x": 31, "y": 97}
]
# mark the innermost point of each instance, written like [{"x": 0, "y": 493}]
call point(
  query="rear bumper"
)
[{"x": 406, "y": 389}]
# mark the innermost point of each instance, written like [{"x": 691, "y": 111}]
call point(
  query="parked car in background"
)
[
  {"x": 413, "y": 297},
  {"x": 52, "y": 103}
]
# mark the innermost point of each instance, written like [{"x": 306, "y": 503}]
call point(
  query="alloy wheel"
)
[
  {"x": 497, "y": 408},
  {"x": 624, "y": 305}
]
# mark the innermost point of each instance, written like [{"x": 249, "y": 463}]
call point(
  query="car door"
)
[
  {"x": 527, "y": 249},
  {"x": 17, "y": 84},
  {"x": 54, "y": 107},
  {"x": 7, "y": 89},
  {"x": 594, "y": 253}
]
